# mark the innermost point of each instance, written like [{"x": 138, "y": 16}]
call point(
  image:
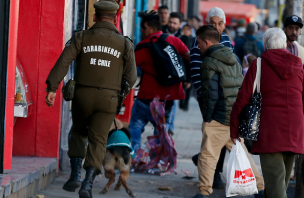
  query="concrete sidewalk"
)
[{"x": 187, "y": 137}]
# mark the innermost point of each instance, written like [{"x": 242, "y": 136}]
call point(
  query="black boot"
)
[
  {"x": 74, "y": 180},
  {"x": 86, "y": 186}
]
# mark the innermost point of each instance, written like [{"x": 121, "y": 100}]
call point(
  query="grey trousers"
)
[{"x": 276, "y": 168}]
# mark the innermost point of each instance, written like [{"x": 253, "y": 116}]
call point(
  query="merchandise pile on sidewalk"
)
[{"x": 158, "y": 155}]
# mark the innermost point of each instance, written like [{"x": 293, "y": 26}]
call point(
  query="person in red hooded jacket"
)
[{"x": 281, "y": 134}]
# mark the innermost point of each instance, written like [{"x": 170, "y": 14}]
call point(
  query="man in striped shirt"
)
[
  {"x": 196, "y": 57},
  {"x": 215, "y": 17}
]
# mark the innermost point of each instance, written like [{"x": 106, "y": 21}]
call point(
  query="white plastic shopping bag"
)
[{"x": 240, "y": 177}]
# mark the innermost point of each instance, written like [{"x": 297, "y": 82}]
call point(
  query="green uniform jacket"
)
[
  {"x": 104, "y": 59},
  {"x": 221, "y": 80}
]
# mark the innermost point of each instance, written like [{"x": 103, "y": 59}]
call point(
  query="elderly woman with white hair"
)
[{"x": 281, "y": 134}]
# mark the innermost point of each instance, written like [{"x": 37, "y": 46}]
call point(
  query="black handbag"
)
[{"x": 249, "y": 119}]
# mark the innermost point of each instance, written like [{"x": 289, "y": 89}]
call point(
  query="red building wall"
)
[
  {"x": 40, "y": 42},
  {"x": 51, "y": 45},
  {"x": 28, "y": 54}
]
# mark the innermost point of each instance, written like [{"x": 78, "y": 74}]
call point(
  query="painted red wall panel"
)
[
  {"x": 9, "y": 124},
  {"x": 28, "y": 54},
  {"x": 11, "y": 78},
  {"x": 40, "y": 42},
  {"x": 183, "y": 8},
  {"x": 51, "y": 45}
]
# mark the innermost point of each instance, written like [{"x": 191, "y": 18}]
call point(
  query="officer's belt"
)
[{"x": 100, "y": 88}]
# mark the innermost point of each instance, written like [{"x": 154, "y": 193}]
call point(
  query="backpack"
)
[
  {"x": 251, "y": 47},
  {"x": 168, "y": 64},
  {"x": 238, "y": 34}
]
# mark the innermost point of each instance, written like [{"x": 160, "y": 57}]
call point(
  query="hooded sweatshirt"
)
[
  {"x": 281, "y": 121},
  {"x": 221, "y": 77}
]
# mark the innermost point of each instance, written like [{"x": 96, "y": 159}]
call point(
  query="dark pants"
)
[
  {"x": 93, "y": 112},
  {"x": 184, "y": 104},
  {"x": 220, "y": 163},
  {"x": 276, "y": 168}
]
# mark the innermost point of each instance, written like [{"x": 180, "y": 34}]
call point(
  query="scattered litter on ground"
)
[
  {"x": 187, "y": 172},
  {"x": 39, "y": 196},
  {"x": 140, "y": 181},
  {"x": 165, "y": 188}
]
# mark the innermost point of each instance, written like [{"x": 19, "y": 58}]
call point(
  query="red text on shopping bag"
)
[{"x": 243, "y": 177}]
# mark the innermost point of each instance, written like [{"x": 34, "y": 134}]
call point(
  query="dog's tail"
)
[{"x": 121, "y": 151}]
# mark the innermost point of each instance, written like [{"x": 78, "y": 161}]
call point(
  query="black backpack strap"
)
[
  {"x": 142, "y": 45},
  {"x": 163, "y": 37}
]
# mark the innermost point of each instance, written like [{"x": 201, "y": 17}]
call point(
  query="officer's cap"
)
[{"x": 106, "y": 6}]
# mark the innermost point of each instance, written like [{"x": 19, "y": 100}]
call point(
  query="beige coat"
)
[{"x": 300, "y": 52}]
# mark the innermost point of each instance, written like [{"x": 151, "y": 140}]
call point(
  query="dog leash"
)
[{"x": 115, "y": 124}]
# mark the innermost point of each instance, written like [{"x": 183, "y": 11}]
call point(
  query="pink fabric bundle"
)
[{"x": 158, "y": 155}]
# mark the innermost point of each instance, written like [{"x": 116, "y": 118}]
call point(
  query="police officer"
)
[{"x": 105, "y": 59}]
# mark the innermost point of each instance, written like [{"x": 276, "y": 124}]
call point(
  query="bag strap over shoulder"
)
[
  {"x": 142, "y": 45},
  {"x": 257, "y": 81},
  {"x": 163, "y": 37}
]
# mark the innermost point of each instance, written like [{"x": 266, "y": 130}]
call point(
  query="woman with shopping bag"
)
[{"x": 280, "y": 132}]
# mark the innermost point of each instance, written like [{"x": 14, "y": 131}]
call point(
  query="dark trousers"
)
[
  {"x": 220, "y": 163},
  {"x": 93, "y": 112},
  {"x": 184, "y": 104},
  {"x": 276, "y": 168}
]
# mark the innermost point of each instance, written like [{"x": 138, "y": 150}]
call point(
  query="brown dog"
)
[{"x": 117, "y": 158}]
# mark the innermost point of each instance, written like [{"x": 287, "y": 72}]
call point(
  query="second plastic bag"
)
[{"x": 240, "y": 177}]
